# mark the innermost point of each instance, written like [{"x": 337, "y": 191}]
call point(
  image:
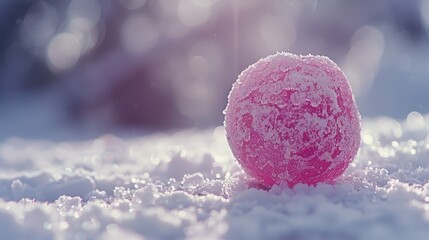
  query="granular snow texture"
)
[
  {"x": 188, "y": 186},
  {"x": 293, "y": 119}
]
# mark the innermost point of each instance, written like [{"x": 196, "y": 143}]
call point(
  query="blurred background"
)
[{"x": 80, "y": 68}]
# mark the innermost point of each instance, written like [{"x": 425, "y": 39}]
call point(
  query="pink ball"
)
[{"x": 293, "y": 119}]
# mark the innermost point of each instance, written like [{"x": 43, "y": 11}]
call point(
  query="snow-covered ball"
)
[{"x": 293, "y": 119}]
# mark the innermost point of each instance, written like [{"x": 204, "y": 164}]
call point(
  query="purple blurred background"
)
[{"x": 80, "y": 68}]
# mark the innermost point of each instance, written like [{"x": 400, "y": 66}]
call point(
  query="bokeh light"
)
[
  {"x": 160, "y": 64},
  {"x": 194, "y": 12},
  {"x": 139, "y": 34},
  {"x": 63, "y": 51},
  {"x": 363, "y": 58},
  {"x": 38, "y": 26},
  {"x": 424, "y": 11}
]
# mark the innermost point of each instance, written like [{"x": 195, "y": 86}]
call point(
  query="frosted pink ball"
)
[{"x": 293, "y": 119}]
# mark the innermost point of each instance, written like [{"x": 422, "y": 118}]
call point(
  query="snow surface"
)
[{"x": 187, "y": 185}]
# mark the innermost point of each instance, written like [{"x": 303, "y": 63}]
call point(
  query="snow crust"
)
[{"x": 188, "y": 186}]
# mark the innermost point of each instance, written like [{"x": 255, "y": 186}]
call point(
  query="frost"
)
[{"x": 290, "y": 116}]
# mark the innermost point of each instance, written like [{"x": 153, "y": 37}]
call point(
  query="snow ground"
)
[{"x": 188, "y": 185}]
